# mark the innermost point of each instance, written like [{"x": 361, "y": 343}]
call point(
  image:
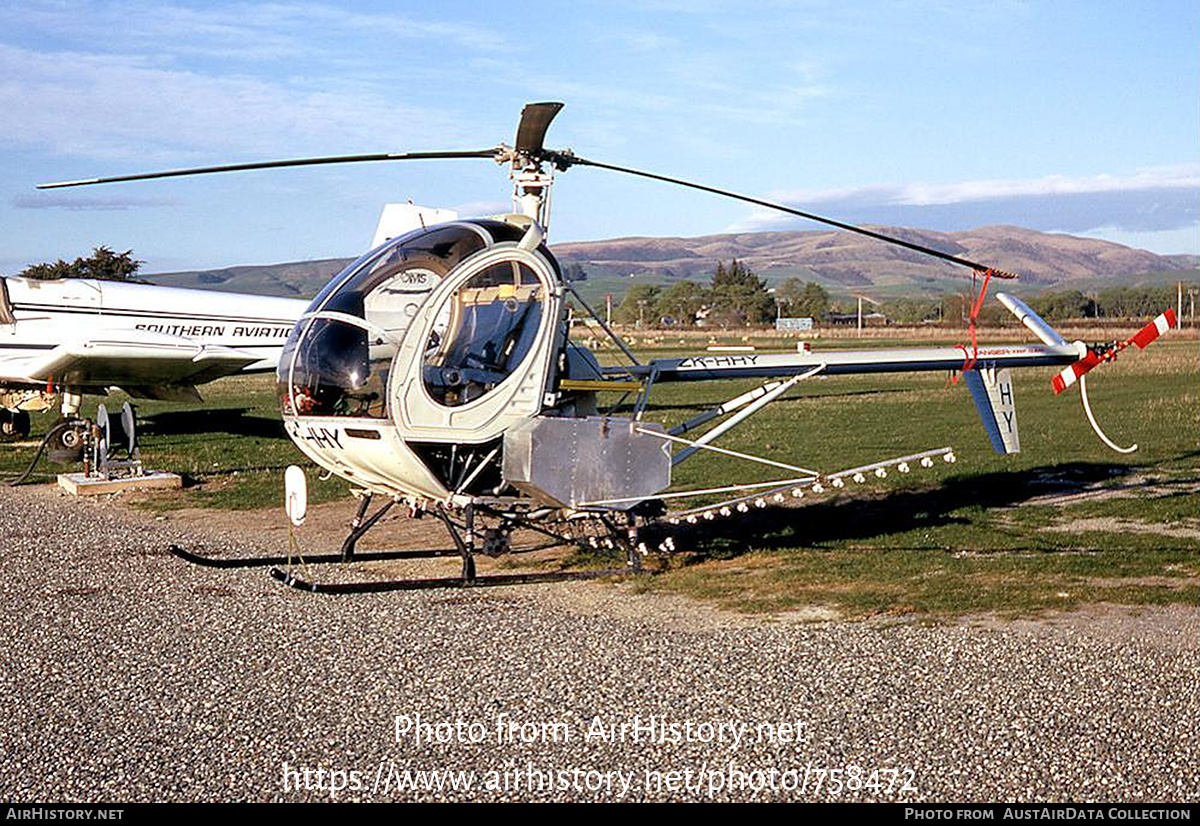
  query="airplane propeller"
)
[
  {"x": 1100, "y": 354},
  {"x": 529, "y": 149}
]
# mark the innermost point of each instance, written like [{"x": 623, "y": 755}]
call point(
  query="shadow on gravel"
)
[
  {"x": 883, "y": 513},
  {"x": 231, "y": 420}
]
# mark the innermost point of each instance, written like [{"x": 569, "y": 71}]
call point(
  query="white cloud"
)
[
  {"x": 952, "y": 193},
  {"x": 1185, "y": 241},
  {"x": 1153, "y": 199},
  {"x": 243, "y": 31},
  {"x": 109, "y": 106},
  {"x": 473, "y": 209}
]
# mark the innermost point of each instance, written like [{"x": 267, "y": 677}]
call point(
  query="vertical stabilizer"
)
[
  {"x": 397, "y": 219},
  {"x": 992, "y": 391}
]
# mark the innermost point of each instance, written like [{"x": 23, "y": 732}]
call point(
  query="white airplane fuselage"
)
[{"x": 83, "y": 335}]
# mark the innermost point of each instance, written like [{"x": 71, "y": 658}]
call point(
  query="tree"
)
[
  {"x": 740, "y": 297},
  {"x": 1065, "y": 304},
  {"x": 806, "y": 299},
  {"x": 681, "y": 301},
  {"x": 103, "y": 264},
  {"x": 954, "y": 312},
  {"x": 1135, "y": 302},
  {"x": 738, "y": 275},
  {"x": 638, "y": 305},
  {"x": 911, "y": 310}
]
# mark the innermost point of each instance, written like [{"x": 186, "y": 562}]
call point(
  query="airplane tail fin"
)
[{"x": 992, "y": 390}]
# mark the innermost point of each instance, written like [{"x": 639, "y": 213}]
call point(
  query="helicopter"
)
[{"x": 437, "y": 371}]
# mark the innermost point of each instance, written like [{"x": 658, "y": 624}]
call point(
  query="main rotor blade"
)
[
  {"x": 240, "y": 167},
  {"x": 531, "y": 132},
  {"x": 570, "y": 159}
]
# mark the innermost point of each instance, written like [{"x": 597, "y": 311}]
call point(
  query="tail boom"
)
[{"x": 846, "y": 362}]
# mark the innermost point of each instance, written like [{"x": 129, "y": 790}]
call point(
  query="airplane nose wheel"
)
[{"x": 13, "y": 425}]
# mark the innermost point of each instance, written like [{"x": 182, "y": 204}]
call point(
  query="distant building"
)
[{"x": 851, "y": 319}]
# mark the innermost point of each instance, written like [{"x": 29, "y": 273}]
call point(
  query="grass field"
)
[{"x": 1065, "y": 523}]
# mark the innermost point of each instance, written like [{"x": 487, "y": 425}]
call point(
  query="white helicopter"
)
[{"x": 437, "y": 371}]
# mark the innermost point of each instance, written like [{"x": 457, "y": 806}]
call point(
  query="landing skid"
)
[
  {"x": 464, "y": 548},
  {"x": 317, "y": 559},
  {"x": 383, "y": 585}
]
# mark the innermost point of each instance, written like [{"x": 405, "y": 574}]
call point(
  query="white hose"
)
[{"x": 1087, "y": 408}]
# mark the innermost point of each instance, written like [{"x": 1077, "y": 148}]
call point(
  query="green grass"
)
[
  {"x": 231, "y": 450},
  {"x": 889, "y": 582},
  {"x": 1004, "y": 534},
  {"x": 987, "y": 534}
]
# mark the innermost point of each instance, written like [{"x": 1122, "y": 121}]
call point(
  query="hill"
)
[
  {"x": 298, "y": 279},
  {"x": 841, "y": 261}
]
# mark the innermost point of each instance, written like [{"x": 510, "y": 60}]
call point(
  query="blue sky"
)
[{"x": 1081, "y": 117}]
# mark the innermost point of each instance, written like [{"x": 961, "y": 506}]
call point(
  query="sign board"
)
[{"x": 792, "y": 325}]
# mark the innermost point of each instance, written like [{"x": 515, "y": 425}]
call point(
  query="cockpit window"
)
[
  {"x": 491, "y": 326},
  {"x": 341, "y": 370},
  {"x": 336, "y": 361}
]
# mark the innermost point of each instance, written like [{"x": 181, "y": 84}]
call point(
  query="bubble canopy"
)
[{"x": 337, "y": 360}]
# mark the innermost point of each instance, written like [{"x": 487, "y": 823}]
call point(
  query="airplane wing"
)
[{"x": 150, "y": 360}]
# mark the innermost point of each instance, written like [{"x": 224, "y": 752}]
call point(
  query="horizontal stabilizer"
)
[{"x": 992, "y": 391}]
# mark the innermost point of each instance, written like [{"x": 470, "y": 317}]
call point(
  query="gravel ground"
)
[{"x": 130, "y": 675}]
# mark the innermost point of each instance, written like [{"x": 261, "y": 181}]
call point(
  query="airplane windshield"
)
[{"x": 492, "y": 324}]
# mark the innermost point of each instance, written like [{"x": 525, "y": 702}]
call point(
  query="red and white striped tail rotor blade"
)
[
  {"x": 1072, "y": 372},
  {"x": 1144, "y": 337},
  {"x": 1155, "y": 329}
]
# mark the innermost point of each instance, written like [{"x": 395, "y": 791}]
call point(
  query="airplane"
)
[
  {"x": 74, "y": 336},
  {"x": 438, "y": 371},
  {"x": 64, "y": 338}
]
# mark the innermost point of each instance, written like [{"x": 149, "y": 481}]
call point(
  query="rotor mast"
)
[
  {"x": 531, "y": 181},
  {"x": 531, "y": 192}
]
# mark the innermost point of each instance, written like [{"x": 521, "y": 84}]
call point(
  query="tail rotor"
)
[{"x": 1101, "y": 354}]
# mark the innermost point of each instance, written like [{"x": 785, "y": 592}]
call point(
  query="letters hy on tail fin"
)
[{"x": 992, "y": 391}]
